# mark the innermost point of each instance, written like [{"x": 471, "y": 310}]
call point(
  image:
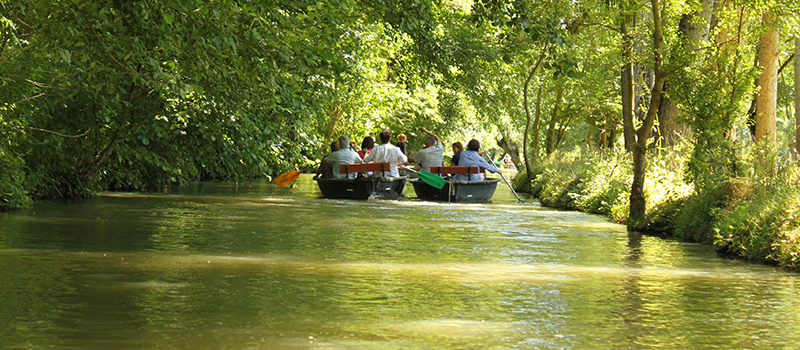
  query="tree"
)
[
  {"x": 627, "y": 79},
  {"x": 797, "y": 92},
  {"x": 637, "y": 198},
  {"x": 767, "y": 93},
  {"x": 173, "y": 90},
  {"x": 693, "y": 32}
]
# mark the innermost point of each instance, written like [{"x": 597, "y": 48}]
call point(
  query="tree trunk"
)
[
  {"x": 694, "y": 28},
  {"x": 626, "y": 80},
  {"x": 668, "y": 130},
  {"x": 527, "y": 129},
  {"x": 767, "y": 98},
  {"x": 797, "y": 94},
  {"x": 551, "y": 128},
  {"x": 638, "y": 207},
  {"x": 528, "y": 113},
  {"x": 536, "y": 123},
  {"x": 89, "y": 170},
  {"x": 510, "y": 148}
]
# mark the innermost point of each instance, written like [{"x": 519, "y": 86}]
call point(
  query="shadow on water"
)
[{"x": 216, "y": 265}]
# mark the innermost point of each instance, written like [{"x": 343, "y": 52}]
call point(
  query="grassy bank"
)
[{"x": 755, "y": 215}]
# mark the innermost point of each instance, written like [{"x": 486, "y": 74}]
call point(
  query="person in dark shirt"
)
[
  {"x": 325, "y": 169},
  {"x": 457, "y": 148},
  {"x": 401, "y": 143}
]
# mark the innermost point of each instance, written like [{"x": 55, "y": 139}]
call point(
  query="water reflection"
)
[{"x": 219, "y": 266}]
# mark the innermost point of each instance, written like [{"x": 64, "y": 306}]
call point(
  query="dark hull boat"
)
[
  {"x": 457, "y": 191},
  {"x": 376, "y": 185},
  {"x": 362, "y": 187}
]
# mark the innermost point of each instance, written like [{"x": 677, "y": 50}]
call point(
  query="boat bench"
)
[
  {"x": 453, "y": 170},
  {"x": 362, "y": 168}
]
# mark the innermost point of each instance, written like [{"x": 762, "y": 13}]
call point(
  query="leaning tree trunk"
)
[
  {"x": 767, "y": 98},
  {"x": 637, "y": 200},
  {"x": 797, "y": 94},
  {"x": 90, "y": 169},
  {"x": 509, "y": 148}
]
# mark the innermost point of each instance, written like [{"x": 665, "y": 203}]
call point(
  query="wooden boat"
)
[
  {"x": 363, "y": 187},
  {"x": 457, "y": 190}
]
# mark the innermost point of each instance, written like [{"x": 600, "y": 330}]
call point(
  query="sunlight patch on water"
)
[
  {"x": 418, "y": 334},
  {"x": 462, "y": 273},
  {"x": 451, "y": 328}
]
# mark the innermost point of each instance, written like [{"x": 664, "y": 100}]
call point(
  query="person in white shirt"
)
[
  {"x": 387, "y": 153},
  {"x": 344, "y": 155},
  {"x": 431, "y": 155}
]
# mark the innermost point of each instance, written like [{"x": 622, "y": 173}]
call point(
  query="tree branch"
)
[
  {"x": 51, "y": 132},
  {"x": 255, "y": 46},
  {"x": 616, "y": 30},
  {"x": 788, "y": 60},
  {"x": 30, "y": 98},
  {"x": 315, "y": 24},
  {"x": 44, "y": 86}
]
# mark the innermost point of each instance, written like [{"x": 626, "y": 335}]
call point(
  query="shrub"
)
[
  {"x": 12, "y": 182},
  {"x": 762, "y": 218}
]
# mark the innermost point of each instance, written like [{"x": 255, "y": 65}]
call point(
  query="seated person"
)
[
  {"x": 401, "y": 143},
  {"x": 457, "y": 148},
  {"x": 366, "y": 146},
  {"x": 471, "y": 157},
  {"x": 344, "y": 155},
  {"x": 387, "y": 153},
  {"x": 325, "y": 169}
]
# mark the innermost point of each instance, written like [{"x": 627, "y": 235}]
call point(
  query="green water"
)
[{"x": 215, "y": 266}]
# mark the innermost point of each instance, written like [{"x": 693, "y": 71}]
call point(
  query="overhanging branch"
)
[{"x": 51, "y": 132}]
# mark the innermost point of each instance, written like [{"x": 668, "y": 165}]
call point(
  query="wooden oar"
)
[
  {"x": 287, "y": 178},
  {"x": 508, "y": 183},
  {"x": 429, "y": 178}
]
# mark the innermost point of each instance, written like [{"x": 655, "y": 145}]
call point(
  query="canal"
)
[{"x": 219, "y": 266}]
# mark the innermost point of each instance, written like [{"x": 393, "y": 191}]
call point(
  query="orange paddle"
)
[{"x": 287, "y": 178}]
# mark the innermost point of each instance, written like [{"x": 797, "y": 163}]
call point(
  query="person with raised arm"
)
[{"x": 431, "y": 155}]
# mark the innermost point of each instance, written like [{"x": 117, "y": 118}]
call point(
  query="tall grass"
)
[
  {"x": 761, "y": 219},
  {"x": 599, "y": 182}
]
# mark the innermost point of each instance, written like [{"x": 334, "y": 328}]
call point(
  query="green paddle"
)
[{"x": 429, "y": 178}]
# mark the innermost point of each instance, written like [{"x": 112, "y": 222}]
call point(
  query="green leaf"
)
[
  {"x": 167, "y": 17},
  {"x": 65, "y": 55}
]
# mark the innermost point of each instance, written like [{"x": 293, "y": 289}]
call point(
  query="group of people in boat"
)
[{"x": 431, "y": 155}]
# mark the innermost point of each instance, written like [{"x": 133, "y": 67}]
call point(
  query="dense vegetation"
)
[{"x": 672, "y": 115}]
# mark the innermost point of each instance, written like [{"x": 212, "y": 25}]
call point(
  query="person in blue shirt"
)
[
  {"x": 344, "y": 155},
  {"x": 471, "y": 157}
]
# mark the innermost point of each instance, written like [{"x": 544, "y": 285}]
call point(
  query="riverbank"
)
[{"x": 755, "y": 215}]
